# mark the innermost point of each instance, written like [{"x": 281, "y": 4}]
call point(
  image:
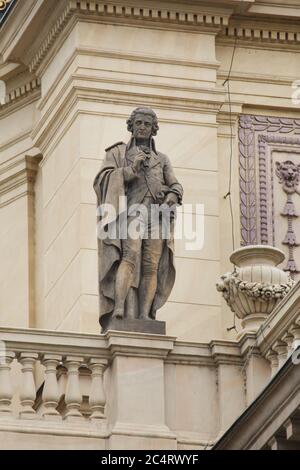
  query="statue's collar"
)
[{"x": 132, "y": 144}]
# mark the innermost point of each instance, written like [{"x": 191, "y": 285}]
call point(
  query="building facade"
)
[{"x": 223, "y": 78}]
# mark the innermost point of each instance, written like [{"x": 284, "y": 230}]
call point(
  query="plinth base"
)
[{"x": 154, "y": 327}]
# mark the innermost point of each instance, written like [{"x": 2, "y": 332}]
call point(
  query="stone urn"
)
[{"x": 256, "y": 285}]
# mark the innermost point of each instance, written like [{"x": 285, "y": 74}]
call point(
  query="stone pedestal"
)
[
  {"x": 135, "y": 324},
  {"x": 136, "y": 392}
]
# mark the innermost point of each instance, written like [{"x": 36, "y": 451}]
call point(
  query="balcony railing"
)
[
  {"x": 52, "y": 376},
  {"x": 54, "y": 382}
]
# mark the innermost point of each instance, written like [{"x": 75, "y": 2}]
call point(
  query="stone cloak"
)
[{"x": 109, "y": 187}]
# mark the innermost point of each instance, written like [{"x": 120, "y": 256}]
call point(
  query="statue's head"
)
[{"x": 143, "y": 123}]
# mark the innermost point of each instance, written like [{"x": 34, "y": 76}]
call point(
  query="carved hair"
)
[{"x": 146, "y": 111}]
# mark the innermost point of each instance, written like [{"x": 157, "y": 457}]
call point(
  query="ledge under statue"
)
[{"x": 137, "y": 194}]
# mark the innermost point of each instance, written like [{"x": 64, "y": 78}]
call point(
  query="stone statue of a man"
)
[{"x": 136, "y": 270}]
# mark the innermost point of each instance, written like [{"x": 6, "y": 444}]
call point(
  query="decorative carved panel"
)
[{"x": 269, "y": 160}]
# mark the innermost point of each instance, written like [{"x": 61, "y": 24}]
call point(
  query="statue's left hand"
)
[{"x": 171, "y": 199}]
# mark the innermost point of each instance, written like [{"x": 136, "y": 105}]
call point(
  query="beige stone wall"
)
[
  {"x": 260, "y": 84},
  {"x": 113, "y": 79},
  {"x": 96, "y": 73},
  {"x": 86, "y": 75},
  {"x": 18, "y": 167}
]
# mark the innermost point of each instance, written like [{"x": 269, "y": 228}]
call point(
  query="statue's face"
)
[{"x": 142, "y": 126}]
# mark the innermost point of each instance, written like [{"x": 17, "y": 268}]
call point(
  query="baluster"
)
[
  {"x": 28, "y": 391},
  {"x": 97, "y": 394},
  {"x": 50, "y": 392},
  {"x": 73, "y": 396},
  {"x": 272, "y": 357},
  {"x": 6, "y": 389}
]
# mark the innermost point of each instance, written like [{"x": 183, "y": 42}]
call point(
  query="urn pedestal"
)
[{"x": 256, "y": 284}]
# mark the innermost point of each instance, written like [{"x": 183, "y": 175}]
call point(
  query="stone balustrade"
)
[
  {"x": 63, "y": 390},
  {"x": 279, "y": 336},
  {"x": 89, "y": 391},
  {"x": 44, "y": 375}
]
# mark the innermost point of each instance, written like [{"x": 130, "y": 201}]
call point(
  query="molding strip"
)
[
  {"x": 276, "y": 34},
  {"x": 21, "y": 92}
]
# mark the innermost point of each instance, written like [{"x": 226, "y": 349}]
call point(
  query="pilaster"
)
[
  {"x": 136, "y": 391},
  {"x": 17, "y": 214}
]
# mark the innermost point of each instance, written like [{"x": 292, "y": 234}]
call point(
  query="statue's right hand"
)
[{"x": 138, "y": 160}]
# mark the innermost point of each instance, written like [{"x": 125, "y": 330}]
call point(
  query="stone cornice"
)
[
  {"x": 34, "y": 59},
  {"x": 267, "y": 33},
  {"x": 226, "y": 352},
  {"x": 53, "y": 341},
  {"x": 217, "y": 17},
  {"x": 17, "y": 177},
  {"x": 170, "y": 12},
  {"x": 138, "y": 344},
  {"x": 283, "y": 318},
  {"x": 254, "y": 77},
  {"x": 27, "y": 43},
  {"x": 15, "y": 140},
  {"x": 117, "y": 343},
  {"x": 18, "y": 94},
  {"x": 117, "y": 55},
  {"x": 248, "y": 344},
  {"x": 288, "y": 9},
  {"x": 211, "y": 354},
  {"x": 27, "y": 99},
  {"x": 78, "y": 90},
  {"x": 166, "y": 14},
  {"x": 191, "y": 354}
]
